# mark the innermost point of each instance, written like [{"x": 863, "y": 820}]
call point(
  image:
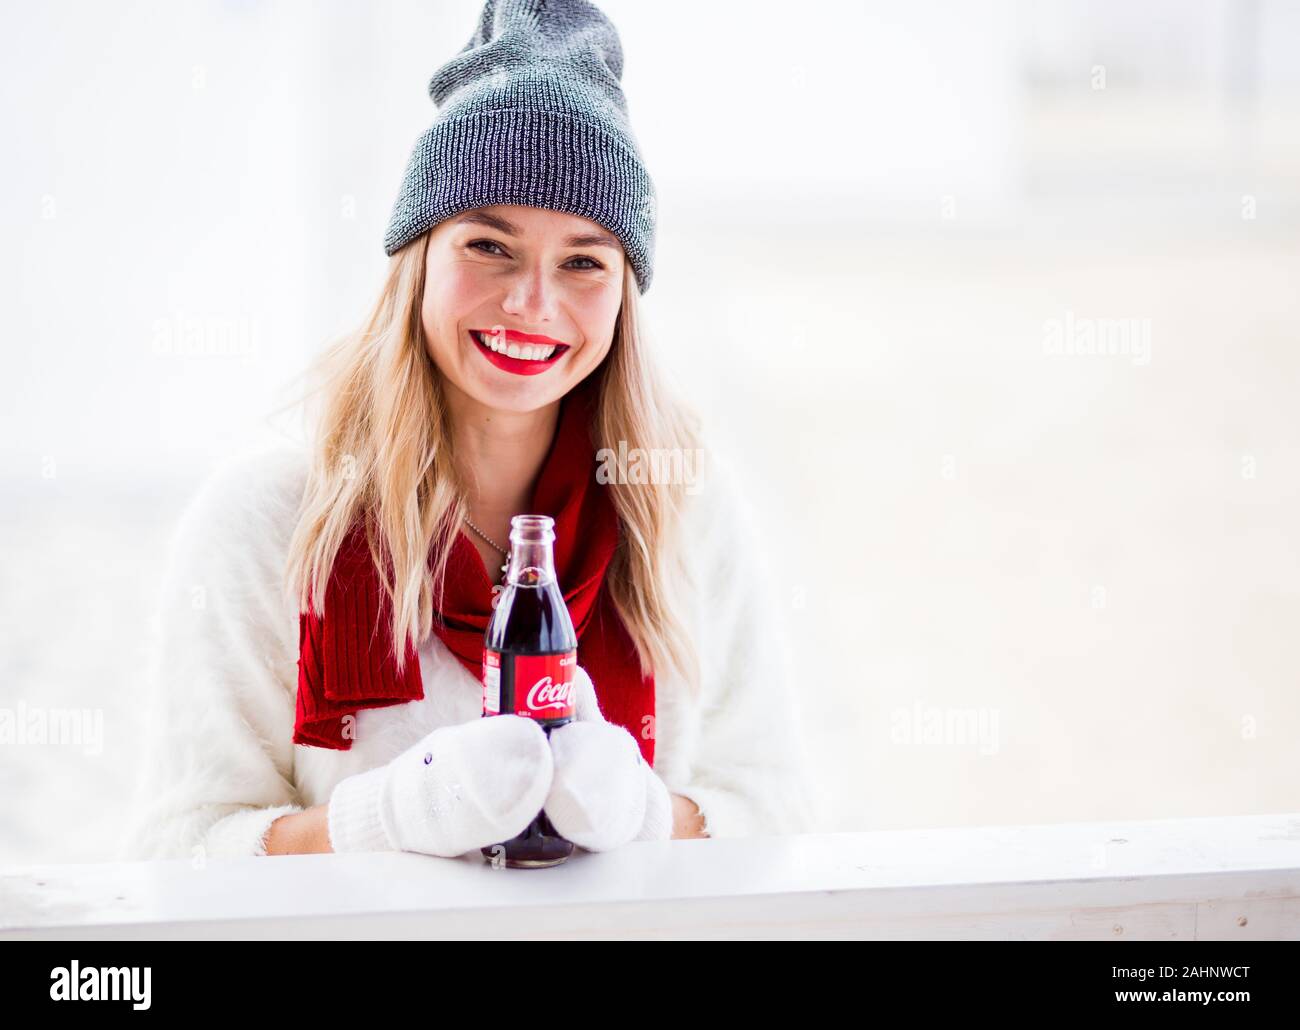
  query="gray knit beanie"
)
[{"x": 531, "y": 112}]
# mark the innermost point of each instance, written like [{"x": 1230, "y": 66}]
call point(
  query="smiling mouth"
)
[{"x": 521, "y": 359}]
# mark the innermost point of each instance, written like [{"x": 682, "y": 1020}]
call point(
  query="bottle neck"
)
[{"x": 532, "y": 563}]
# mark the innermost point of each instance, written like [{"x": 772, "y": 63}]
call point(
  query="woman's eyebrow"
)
[
  {"x": 501, "y": 225},
  {"x": 592, "y": 239}
]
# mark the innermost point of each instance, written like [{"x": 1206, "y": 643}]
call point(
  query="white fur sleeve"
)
[
  {"x": 749, "y": 773},
  {"x": 215, "y": 768}
]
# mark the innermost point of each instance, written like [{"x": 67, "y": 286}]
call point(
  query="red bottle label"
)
[{"x": 534, "y": 686}]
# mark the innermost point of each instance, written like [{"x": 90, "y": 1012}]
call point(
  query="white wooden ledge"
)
[{"x": 1232, "y": 878}]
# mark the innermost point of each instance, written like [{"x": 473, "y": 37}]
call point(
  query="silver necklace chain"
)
[{"x": 491, "y": 543}]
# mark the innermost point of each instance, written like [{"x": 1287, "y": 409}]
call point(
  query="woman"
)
[{"x": 500, "y": 372}]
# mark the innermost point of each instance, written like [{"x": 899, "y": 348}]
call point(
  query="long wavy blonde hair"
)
[{"x": 381, "y": 447}]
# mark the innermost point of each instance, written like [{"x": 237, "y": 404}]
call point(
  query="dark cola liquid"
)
[
  {"x": 530, "y": 640},
  {"x": 531, "y": 620}
]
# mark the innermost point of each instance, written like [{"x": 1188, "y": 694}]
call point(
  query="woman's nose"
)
[{"x": 531, "y": 296}]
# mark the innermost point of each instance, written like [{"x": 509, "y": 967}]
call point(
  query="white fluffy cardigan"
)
[{"x": 219, "y": 764}]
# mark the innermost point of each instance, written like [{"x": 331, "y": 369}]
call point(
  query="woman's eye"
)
[{"x": 480, "y": 246}]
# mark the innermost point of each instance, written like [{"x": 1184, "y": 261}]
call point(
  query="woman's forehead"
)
[{"x": 526, "y": 218}]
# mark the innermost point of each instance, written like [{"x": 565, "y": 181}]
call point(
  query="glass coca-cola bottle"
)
[{"x": 530, "y": 652}]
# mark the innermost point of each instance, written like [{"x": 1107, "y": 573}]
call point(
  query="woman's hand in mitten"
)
[
  {"x": 603, "y": 793},
  {"x": 460, "y": 788}
]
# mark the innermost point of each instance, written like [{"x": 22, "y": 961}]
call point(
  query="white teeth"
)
[{"x": 525, "y": 353}]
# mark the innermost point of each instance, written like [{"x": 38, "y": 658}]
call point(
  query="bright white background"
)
[{"x": 871, "y": 214}]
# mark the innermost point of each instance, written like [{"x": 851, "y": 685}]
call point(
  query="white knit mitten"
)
[
  {"x": 603, "y": 793},
  {"x": 458, "y": 789}
]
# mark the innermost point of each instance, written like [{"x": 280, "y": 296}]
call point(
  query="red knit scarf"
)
[{"x": 346, "y": 663}]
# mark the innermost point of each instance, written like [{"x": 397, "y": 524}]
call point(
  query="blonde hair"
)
[{"x": 381, "y": 452}]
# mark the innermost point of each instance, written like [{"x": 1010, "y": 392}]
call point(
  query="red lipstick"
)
[{"x": 518, "y": 366}]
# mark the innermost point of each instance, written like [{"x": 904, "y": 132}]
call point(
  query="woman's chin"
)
[{"x": 517, "y": 394}]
